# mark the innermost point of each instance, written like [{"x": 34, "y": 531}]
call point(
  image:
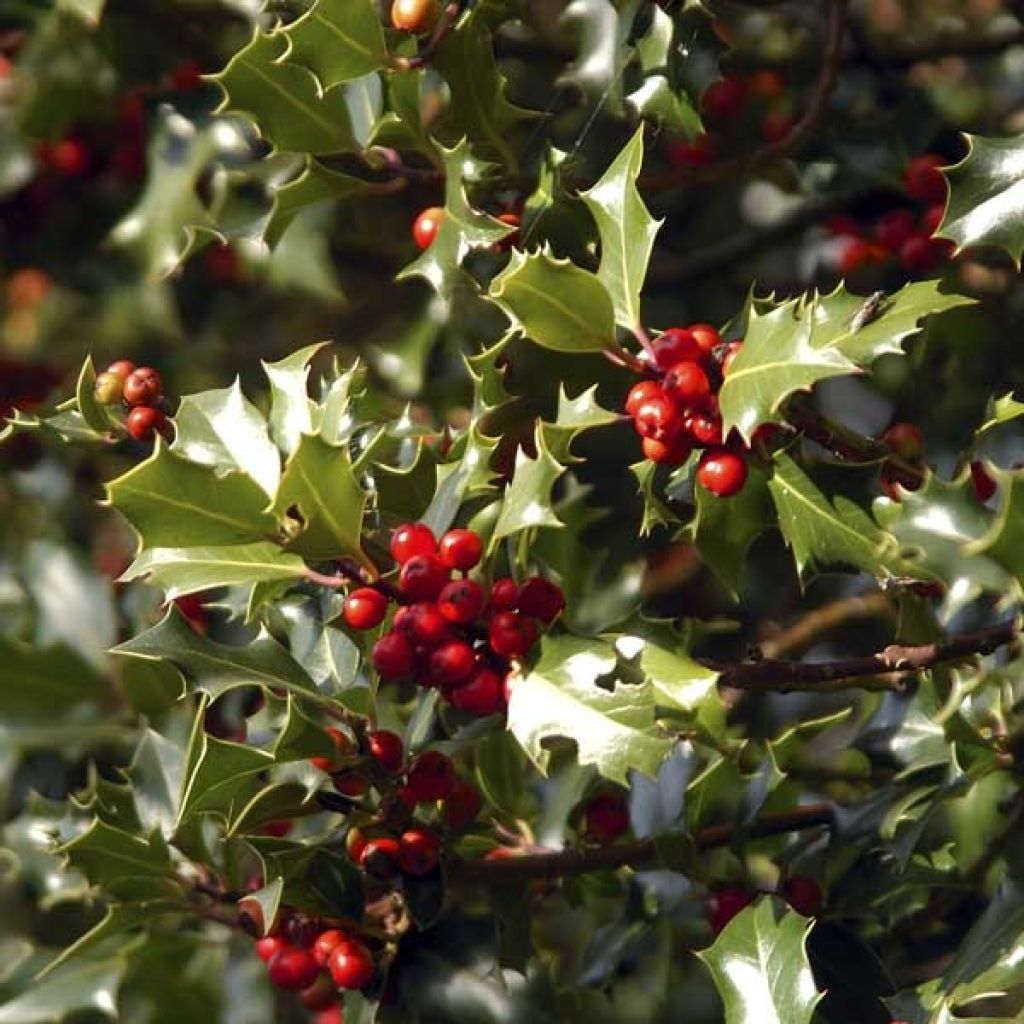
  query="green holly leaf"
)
[
  {"x": 759, "y": 965},
  {"x": 528, "y": 502},
  {"x": 338, "y": 40},
  {"x": 224, "y": 430},
  {"x": 656, "y": 513},
  {"x": 986, "y": 197},
  {"x": 835, "y": 534},
  {"x": 45, "y": 682},
  {"x": 555, "y": 303},
  {"x": 220, "y": 778},
  {"x": 1003, "y": 541},
  {"x": 999, "y": 411},
  {"x": 285, "y": 100},
  {"x": 172, "y": 502},
  {"x": 613, "y": 727},
  {"x": 627, "y": 231},
  {"x": 468, "y": 475},
  {"x": 406, "y": 492},
  {"x": 321, "y": 502},
  {"x": 291, "y": 408},
  {"x": 215, "y": 668},
  {"x": 574, "y": 416},
  {"x": 105, "y": 854},
  {"x": 94, "y": 414}
]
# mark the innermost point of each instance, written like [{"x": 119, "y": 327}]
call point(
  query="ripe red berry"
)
[
  {"x": 332, "y": 1015},
  {"x": 452, "y": 662},
  {"x": 351, "y": 965},
  {"x": 416, "y": 16},
  {"x": 186, "y": 76},
  {"x": 687, "y": 383},
  {"x": 659, "y": 419},
  {"x": 278, "y": 829},
  {"x": 345, "y": 748},
  {"x": 803, "y": 894},
  {"x": 920, "y": 254},
  {"x": 722, "y": 472},
  {"x": 386, "y": 749},
  {"x": 431, "y": 777},
  {"x": 675, "y": 453},
  {"x": 143, "y": 387},
  {"x": 144, "y": 421},
  {"x": 707, "y": 337},
  {"x": 423, "y": 577},
  {"x": 324, "y": 943},
  {"x": 767, "y": 85},
  {"x": 892, "y": 229},
  {"x": 365, "y": 608},
  {"x": 482, "y": 694},
  {"x": 460, "y": 549},
  {"x": 424, "y": 625},
  {"x": 675, "y": 345},
  {"x": 393, "y": 656},
  {"x": 419, "y": 851},
  {"x": 704, "y": 428},
  {"x": 906, "y": 440},
  {"x": 412, "y": 539},
  {"x": 725, "y": 904},
  {"x": 293, "y": 968},
  {"x": 108, "y": 388},
  {"x": 639, "y": 393},
  {"x": 723, "y": 100},
  {"x": 606, "y": 817},
  {"x": 121, "y": 368},
  {"x": 504, "y": 594},
  {"x": 349, "y": 783},
  {"x": 461, "y": 806},
  {"x": 983, "y": 484},
  {"x": 686, "y": 156},
  {"x": 355, "y": 843},
  {"x": 855, "y": 253},
  {"x": 541, "y": 598},
  {"x": 268, "y": 947},
  {"x": 511, "y": 635},
  {"x": 223, "y": 263},
  {"x": 461, "y": 601},
  {"x": 923, "y": 179},
  {"x": 380, "y": 857},
  {"x": 426, "y": 226},
  {"x": 932, "y": 218},
  {"x": 71, "y": 158}
]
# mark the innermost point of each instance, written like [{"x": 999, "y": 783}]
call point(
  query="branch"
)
[
  {"x": 815, "y": 624},
  {"x": 639, "y": 853},
  {"x": 348, "y": 573},
  {"x": 882, "y": 671},
  {"x": 443, "y": 27}
]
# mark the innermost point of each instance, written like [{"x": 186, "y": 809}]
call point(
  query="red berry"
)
[
  {"x": 461, "y": 601},
  {"x": 675, "y": 345},
  {"x": 278, "y": 829},
  {"x": 345, "y": 748},
  {"x": 722, "y": 472},
  {"x": 920, "y": 254},
  {"x": 143, "y": 387},
  {"x": 726, "y": 903},
  {"x": 777, "y": 124},
  {"x": 355, "y": 843},
  {"x": 419, "y": 851},
  {"x": 639, "y": 393},
  {"x": 393, "y": 656},
  {"x": 349, "y": 783},
  {"x": 423, "y": 577},
  {"x": 267, "y": 948},
  {"x": 843, "y": 226},
  {"x": 380, "y": 857},
  {"x": 511, "y": 635},
  {"x": 461, "y": 806},
  {"x": 69, "y": 157},
  {"x": 675, "y": 453},
  {"x": 431, "y": 777},
  {"x": 732, "y": 350},
  {"x": 223, "y": 263},
  {"x": 416, "y": 16},
  {"x": 932, "y": 218},
  {"x": 293, "y": 968},
  {"x": 541, "y": 598},
  {"x": 121, "y": 368},
  {"x": 504, "y": 594},
  {"x": 894, "y": 228},
  {"x": 767, "y": 85},
  {"x": 425, "y": 626},
  {"x": 856, "y": 253},
  {"x": 906, "y": 440},
  {"x": 386, "y": 749},
  {"x": 983, "y": 484},
  {"x": 187, "y": 76},
  {"x": 707, "y": 337},
  {"x": 460, "y": 549},
  {"x": 452, "y": 662},
  {"x": 923, "y": 179},
  {"x": 704, "y": 428},
  {"x": 686, "y": 156},
  {"x": 332, "y": 1015},
  {"x": 723, "y": 100},
  {"x": 351, "y": 965},
  {"x": 686, "y": 383},
  {"x": 659, "y": 419},
  {"x": 320, "y": 995},
  {"x": 803, "y": 894},
  {"x": 144, "y": 421},
  {"x": 426, "y": 225},
  {"x": 365, "y": 608},
  {"x": 606, "y": 817},
  {"x": 324, "y": 943},
  {"x": 892, "y": 479},
  {"x": 412, "y": 539},
  {"x": 482, "y": 694}
]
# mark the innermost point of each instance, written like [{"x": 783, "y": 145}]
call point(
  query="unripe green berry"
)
[{"x": 107, "y": 389}]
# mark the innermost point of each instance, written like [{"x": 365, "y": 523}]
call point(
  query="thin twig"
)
[
  {"x": 815, "y": 624},
  {"x": 429, "y": 48}
]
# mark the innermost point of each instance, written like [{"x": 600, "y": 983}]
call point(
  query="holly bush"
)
[{"x": 510, "y": 511}]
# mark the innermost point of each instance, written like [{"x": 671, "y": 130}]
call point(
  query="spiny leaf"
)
[
  {"x": 468, "y": 476},
  {"x": 291, "y": 408},
  {"x": 656, "y": 513},
  {"x": 574, "y": 416},
  {"x": 338, "y": 40},
  {"x": 1003, "y": 542},
  {"x": 627, "y": 231},
  {"x": 528, "y": 498},
  {"x": 105, "y": 854}
]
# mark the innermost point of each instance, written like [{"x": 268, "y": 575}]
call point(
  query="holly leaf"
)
[
  {"x": 291, "y": 408},
  {"x": 613, "y": 727},
  {"x": 656, "y": 513},
  {"x": 574, "y": 416},
  {"x": 1003, "y": 542},
  {"x": 215, "y": 668},
  {"x": 657, "y": 98},
  {"x": 338, "y": 40},
  {"x": 44, "y": 682},
  {"x": 555, "y": 303},
  {"x": 173, "y": 502},
  {"x": 825, "y": 534},
  {"x": 220, "y": 778},
  {"x": 110, "y": 855},
  {"x": 627, "y": 231},
  {"x": 528, "y": 501},
  {"x": 223, "y": 429},
  {"x": 759, "y": 965},
  {"x": 468, "y": 475},
  {"x": 94, "y": 414},
  {"x": 285, "y": 100},
  {"x": 986, "y": 196}
]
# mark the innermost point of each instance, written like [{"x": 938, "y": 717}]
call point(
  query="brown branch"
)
[
  {"x": 348, "y": 573},
  {"x": 639, "y": 853},
  {"x": 882, "y": 671},
  {"x": 811, "y": 627},
  {"x": 794, "y": 138}
]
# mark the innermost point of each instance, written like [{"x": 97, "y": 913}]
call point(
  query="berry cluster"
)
[
  {"x": 453, "y": 634},
  {"x": 801, "y": 892},
  {"x": 140, "y": 390},
  {"x": 902, "y": 234},
  {"x": 678, "y": 411}
]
